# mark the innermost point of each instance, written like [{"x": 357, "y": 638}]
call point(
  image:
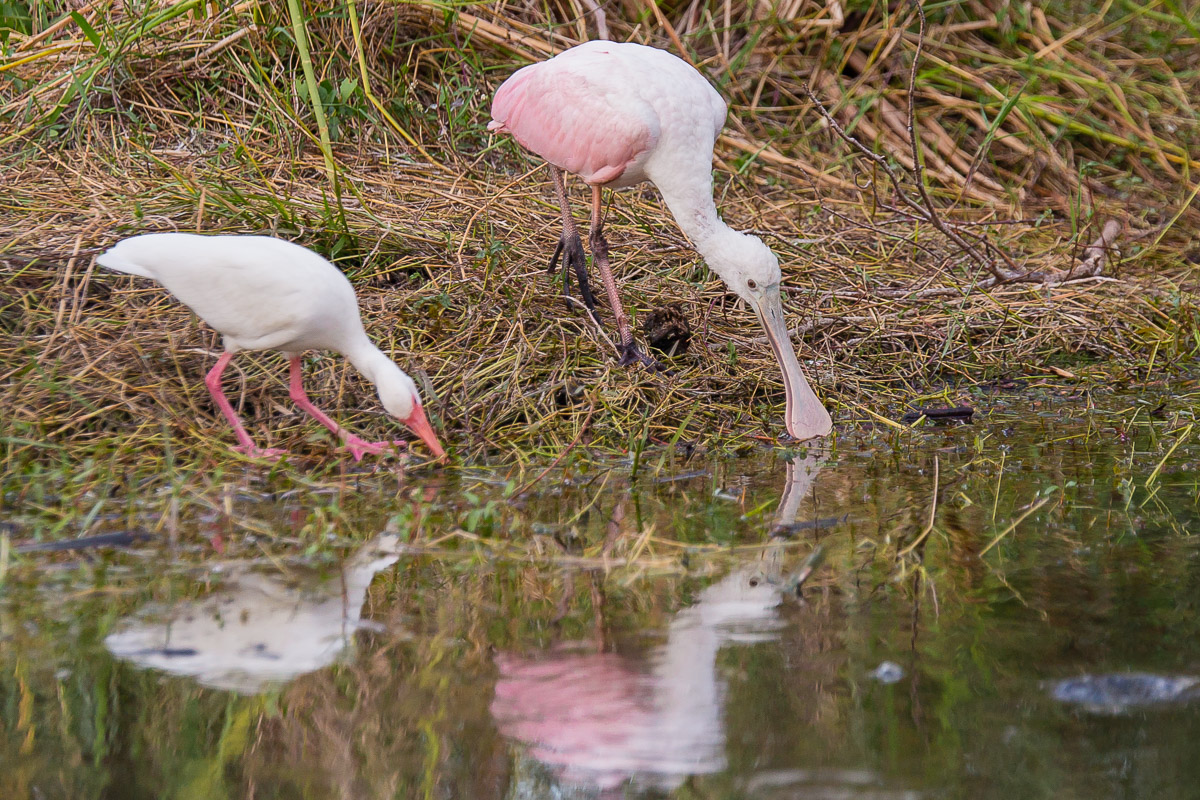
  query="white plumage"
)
[{"x": 262, "y": 293}]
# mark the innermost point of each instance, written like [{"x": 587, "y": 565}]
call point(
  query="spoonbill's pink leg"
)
[
  {"x": 213, "y": 381},
  {"x": 629, "y": 351},
  {"x": 570, "y": 246},
  {"x": 357, "y": 447}
]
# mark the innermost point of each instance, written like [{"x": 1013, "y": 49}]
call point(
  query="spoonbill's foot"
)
[
  {"x": 630, "y": 354},
  {"x": 570, "y": 247},
  {"x": 358, "y": 448},
  {"x": 254, "y": 451}
]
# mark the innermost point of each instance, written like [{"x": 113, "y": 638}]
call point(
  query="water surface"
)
[{"x": 613, "y": 635}]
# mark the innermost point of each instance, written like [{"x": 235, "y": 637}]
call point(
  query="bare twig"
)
[
  {"x": 601, "y": 18},
  {"x": 219, "y": 46},
  {"x": 926, "y": 209}
]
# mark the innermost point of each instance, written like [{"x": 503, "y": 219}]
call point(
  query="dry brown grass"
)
[{"x": 204, "y": 124}]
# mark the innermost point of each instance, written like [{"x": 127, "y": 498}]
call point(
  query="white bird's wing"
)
[{"x": 259, "y": 292}]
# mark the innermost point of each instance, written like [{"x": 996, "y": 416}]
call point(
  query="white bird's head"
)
[
  {"x": 400, "y": 398},
  {"x": 751, "y": 270}
]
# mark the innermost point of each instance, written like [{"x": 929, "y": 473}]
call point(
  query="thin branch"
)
[
  {"x": 560, "y": 457},
  {"x": 925, "y": 209}
]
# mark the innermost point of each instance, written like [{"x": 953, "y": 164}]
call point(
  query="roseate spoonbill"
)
[
  {"x": 257, "y": 630},
  {"x": 617, "y": 114},
  {"x": 263, "y": 293}
]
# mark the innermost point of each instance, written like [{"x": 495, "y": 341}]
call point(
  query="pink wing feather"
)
[{"x": 577, "y": 125}]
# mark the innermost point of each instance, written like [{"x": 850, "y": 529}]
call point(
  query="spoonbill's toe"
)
[
  {"x": 570, "y": 246},
  {"x": 632, "y": 354}
]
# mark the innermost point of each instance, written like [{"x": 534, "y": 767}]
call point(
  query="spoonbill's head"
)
[
  {"x": 400, "y": 398},
  {"x": 751, "y": 270},
  {"x": 747, "y": 266}
]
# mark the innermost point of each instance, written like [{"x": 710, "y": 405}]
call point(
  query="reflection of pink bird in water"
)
[
  {"x": 617, "y": 114},
  {"x": 599, "y": 720}
]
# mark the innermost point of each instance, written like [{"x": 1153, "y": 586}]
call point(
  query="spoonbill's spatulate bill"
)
[
  {"x": 263, "y": 293},
  {"x": 617, "y": 114}
]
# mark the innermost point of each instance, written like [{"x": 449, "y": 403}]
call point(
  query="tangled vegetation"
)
[{"x": 359, "y": 128}]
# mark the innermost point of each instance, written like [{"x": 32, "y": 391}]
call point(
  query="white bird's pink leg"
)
[
  {"x": 571, "y": 247},
  {"x": 629, "y": 351},
  {"x": 213, "y": 381},
  {"x": 357, "y": 447}
]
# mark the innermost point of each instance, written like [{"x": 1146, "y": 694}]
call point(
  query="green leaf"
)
[{"x": 89, "y": 32}]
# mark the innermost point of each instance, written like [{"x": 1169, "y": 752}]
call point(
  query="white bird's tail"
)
[{"x": 136, "y": 255}]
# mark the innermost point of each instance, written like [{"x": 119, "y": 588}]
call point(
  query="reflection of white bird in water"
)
[
  {"x": 257, "y": 630},
  {"x": 598, "y": 720}
]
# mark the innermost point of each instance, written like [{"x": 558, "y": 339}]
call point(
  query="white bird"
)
[
  {"x": 617, "y": 114},
  {"x": 263, "y": 293}
]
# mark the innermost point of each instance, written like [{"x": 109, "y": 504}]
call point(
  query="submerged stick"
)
[
  {"x": 1013, "y": 525},
  {"x": 958, "y": 412},
  {"x": 117, "y": 539},
  {"x": 796, "y": 581}
]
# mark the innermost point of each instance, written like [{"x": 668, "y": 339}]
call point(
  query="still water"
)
[{"x": 1005, "y": 609}]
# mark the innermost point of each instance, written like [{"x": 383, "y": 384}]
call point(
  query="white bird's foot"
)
[
  {"x": 359, "y": 448},
  {"x": 254, "y": 451}
]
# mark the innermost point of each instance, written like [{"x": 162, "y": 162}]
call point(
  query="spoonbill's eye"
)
[{"x": 752, "y": 283}]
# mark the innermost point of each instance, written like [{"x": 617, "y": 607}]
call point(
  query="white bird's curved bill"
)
[
  {"x": 805, "y": 417},
  {"x": 419, "y": 425}
]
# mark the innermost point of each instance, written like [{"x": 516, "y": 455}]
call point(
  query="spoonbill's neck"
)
[
  {"x": 686, "y": 668},
  {"x": 690, "y": 198},
  {"x": 686, "y": 671}
]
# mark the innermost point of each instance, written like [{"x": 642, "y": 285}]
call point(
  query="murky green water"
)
[{"x": 609, "y": 637}]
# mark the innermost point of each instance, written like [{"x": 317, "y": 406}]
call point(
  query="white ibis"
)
[
  {"x": 617, "y": 114},
  {"x": 263, "y": 293}
]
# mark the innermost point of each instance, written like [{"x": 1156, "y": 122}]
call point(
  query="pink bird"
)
[{"x": 617, "y": 114}]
